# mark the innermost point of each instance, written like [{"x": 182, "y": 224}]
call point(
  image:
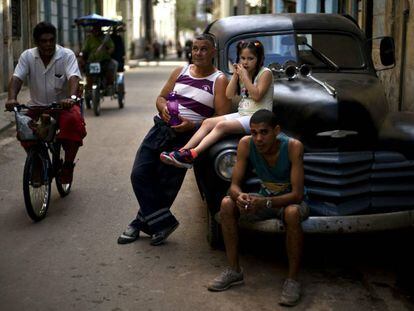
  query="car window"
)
[
  {"x": 343, "y": 50},
  {"x": 278, "y": 49}
]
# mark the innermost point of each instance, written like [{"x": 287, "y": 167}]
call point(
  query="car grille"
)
[{"x": 345, "y": 183}]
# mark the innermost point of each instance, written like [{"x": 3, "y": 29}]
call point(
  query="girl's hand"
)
[{"x": 243, "y": 74}]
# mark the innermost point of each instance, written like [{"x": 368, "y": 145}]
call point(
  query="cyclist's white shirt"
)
[{"x": 48, "y": 84}]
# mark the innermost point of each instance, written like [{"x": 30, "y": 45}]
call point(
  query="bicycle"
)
[{"x": 44, "y": 158}]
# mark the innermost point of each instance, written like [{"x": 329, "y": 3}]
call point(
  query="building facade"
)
[{"x": 18, "y": 18}]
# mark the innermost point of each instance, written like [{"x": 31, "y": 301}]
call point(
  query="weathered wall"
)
[{"x": 389, "y": 20}]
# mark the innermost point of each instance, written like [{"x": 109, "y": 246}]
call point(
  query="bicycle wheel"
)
[
  {"x": 120, "y": 94},
  {"x": 96, "y": 101},
  {"x": 36, "y": 184},
  {"x": 63, "y": 189}
]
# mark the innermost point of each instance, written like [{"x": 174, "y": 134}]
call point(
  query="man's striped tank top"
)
[{"x": 195, "y": 95}]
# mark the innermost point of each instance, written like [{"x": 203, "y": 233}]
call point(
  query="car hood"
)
[{"x": 348, "y": 121}]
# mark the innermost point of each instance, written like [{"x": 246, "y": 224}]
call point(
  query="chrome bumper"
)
[{"x": 340, "y": 224}]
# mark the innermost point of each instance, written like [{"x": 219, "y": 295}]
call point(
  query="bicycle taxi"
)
[{"x": 94, "y": 71}]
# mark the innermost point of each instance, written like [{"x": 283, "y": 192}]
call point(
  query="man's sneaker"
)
[
  {"x": 66, "y": 173},
  {"x": 159, "y": 237},
  {"x": 132, "y": 233},
  {"x": 226, "y": 279},
  {"x": 290, "y": 293},
  {"x": 129, "y": 235},
  {"x": 182, "y": 158}
]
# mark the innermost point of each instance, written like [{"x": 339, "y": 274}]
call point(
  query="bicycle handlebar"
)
[{"x": 52, "y": 106}]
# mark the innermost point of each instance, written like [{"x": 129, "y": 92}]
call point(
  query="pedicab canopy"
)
[{"x": 95, "y": 19}]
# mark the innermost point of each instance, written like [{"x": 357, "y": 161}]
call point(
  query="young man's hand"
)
[
  {"x": 243, "y": 202},
  {"x": 248, "y": 203},
  {"x": 257, "y": 203},
  {"x": 67, "y": 103},
  {"x": 10, "y": 104}
]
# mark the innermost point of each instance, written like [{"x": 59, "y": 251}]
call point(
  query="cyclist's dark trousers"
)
[{"x": 155, "y": 184}]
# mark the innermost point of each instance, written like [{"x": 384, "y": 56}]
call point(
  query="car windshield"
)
[
  {"x": 325, "y": 50},
  {"x": 330, "y": 51},
  {"x": 278, "y": 49}
]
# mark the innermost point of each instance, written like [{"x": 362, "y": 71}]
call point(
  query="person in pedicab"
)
[{"x": 99, "y": 48}]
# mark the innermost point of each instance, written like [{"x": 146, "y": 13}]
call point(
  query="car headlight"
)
[{"x": 224, "y": 164}]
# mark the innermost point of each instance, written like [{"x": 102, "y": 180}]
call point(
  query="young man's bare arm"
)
[
  {"x": 297, "y": 173},
  {"x": 239, "y": 169},
  {"x": 15, "y": 84},
  {"x": 74, "y": 85}
]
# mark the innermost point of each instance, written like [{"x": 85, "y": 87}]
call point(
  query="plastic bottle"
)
[{"x": 172, "y": 105}]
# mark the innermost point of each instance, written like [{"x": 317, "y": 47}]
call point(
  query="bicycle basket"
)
[
  {"x": 46, "y": 130},
  {"x": 23, "y": 127}
]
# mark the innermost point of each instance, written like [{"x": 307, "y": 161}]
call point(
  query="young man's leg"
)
[
  {"x": 294, "y": 239},
  {"x": 72, "y": 131},
  {"x": 233, "y": 275},
  {"x": 294, "y": 247},
  {"x": 229, "y": 216}
]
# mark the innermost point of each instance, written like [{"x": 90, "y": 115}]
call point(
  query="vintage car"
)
[{"x": 359, "y": 157}]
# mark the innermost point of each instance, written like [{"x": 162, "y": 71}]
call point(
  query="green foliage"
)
[{"x": 186, "y": 15}]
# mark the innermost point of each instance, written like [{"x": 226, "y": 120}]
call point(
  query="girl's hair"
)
[{"x": 255, "y": 47}]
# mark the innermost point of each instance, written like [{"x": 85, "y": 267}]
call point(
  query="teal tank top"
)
[{"x": 275, "y": 180}]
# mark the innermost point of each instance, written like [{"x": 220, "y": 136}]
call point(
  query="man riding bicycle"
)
[{"x": 53, "y": 76}]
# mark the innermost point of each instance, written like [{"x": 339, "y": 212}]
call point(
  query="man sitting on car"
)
[{"x": 278, "y": 161}]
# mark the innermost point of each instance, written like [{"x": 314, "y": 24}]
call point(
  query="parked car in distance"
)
[{"x": 359, "y": 157}]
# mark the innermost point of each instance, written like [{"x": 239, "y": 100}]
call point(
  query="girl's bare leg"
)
[
  {"x": 205, "y": 128},
  {"x": 222, "y": 128}
]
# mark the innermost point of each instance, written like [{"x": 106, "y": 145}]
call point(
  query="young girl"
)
[{"x": 253, "y": 83}]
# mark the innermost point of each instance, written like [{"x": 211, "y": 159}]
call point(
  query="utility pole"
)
[
  {"x": 148, "y": 21},
  {"x": 241, "y": 4}
]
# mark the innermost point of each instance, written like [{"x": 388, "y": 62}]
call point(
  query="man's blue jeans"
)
[{"x": 155, "y": 184}]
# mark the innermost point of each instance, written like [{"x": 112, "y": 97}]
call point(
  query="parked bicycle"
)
[{"x": 44, "y": 157}]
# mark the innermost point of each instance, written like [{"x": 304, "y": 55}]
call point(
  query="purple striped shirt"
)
[{"x": 195, "y": 95}]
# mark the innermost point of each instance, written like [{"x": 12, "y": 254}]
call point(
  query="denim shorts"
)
[{"x": 270, "y": 213}]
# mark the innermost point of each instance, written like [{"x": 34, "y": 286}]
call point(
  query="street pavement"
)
[{"x": 71, "y": 261}]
